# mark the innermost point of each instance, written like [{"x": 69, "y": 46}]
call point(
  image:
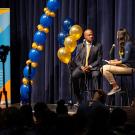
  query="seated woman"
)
[{"x": 125, "y": 64}]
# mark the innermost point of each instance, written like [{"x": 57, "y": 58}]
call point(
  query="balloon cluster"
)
[
  {"x": 68, "y": 38},
  {"x": 34, "y": 55}
]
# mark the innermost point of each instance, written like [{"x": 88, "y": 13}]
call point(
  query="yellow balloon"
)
[
  {"x": 25, "y": 81},
  {"x": 34, "y": 64},
  {"x": 76, "y": 31},
  {"x": 63, "y": 55},
  {"x": 52, "y": 14},
  {"x": 40, "y": 27},
  {"x": 70, "y": 43},
  {"x": 34, "y": 45},
  {"x": 40, "y": 48},
  {"x": 46, "y": 30},
  {"x": 45, "y": 9},
  {"x": 28, "y": 62},
  {"x": 47, "y": 13}
]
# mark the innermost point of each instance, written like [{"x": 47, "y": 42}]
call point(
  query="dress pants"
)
[{"x": 78, "y": 74}]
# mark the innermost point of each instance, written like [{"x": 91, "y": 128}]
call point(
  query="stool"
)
[
  {"x": 89, "y": 88},
  {"x": 89, "y": 91},
  {"x": 124, "y": 93},
  {"x": 83, "y": 90}
]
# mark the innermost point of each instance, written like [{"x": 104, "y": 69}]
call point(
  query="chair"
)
[{"x": 125, "y": 95}]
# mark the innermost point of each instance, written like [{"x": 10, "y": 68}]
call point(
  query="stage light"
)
[
  {"x": 3, "y": 55},
  {"x": 4, "y": 52}
]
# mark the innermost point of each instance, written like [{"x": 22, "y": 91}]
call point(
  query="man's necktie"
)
[{"x": 88, "y": 47}]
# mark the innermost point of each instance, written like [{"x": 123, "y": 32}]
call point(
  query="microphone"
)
[{"x": 112, "y": 52}]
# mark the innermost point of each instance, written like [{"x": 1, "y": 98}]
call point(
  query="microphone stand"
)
[
  {"x": 3, "y": 59},
  {"x": 112, "y": 52},
  {"x": 3, "y": 54}
]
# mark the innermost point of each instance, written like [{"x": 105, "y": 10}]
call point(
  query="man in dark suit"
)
[{"x": 87, "y": 62}]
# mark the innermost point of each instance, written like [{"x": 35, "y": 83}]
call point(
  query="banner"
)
[{"x": 5, "y": 40}]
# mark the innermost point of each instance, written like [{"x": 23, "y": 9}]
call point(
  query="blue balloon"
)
[
  {"x": 61, "y": 37},
  {"x": 26, "y": 72},
  {"x": 45, "y": 20},
  {"x": 34, "y": 55},
  {"x": 24, "y": 92},
  {"x": 40, "y": 37},
  {"x": 67, "y": 24},
  {"x": 53, "y": 5}
]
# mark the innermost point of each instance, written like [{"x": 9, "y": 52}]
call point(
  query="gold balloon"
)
[
  {"x": 34, "y": 45},
  {"x": 76, "y": 31},
  {"x": 28, "y": 62},
  {"x": 25, "y": 81},
  {"x": 52, "y": 14},
  {"x": 34, "y": 64},
  {"x": 40, "y": 48},
  {"x": 40, "y": 27},
  {"x": 45, "y": 9},
  {"x": 70, "y": 43},
  {"x": 47, "y": 13},
  {"x": 46, "y": 30},
  {"x": 63, "y": 55}
]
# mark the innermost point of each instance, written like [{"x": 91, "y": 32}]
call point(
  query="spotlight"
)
[{"x": 4, "y": 52}]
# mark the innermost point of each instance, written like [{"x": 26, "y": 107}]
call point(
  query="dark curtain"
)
[{"x": 51, "y": 81}]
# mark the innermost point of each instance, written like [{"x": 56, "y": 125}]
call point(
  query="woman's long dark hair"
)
[{"x": 122, "y": 36}]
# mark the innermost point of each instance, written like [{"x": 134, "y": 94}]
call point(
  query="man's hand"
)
[
  {"x": 87, "y": 68},
  {"x": 83, "y": 68}
]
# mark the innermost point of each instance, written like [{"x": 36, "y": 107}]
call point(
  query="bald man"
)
[{"x": 88, "y": 62}]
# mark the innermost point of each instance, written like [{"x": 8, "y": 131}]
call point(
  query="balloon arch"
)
[{"x": 68, "y": 38}]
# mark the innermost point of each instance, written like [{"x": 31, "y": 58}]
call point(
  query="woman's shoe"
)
[
  {"x": 114, "y": 90},
  {"x": 77, "y": 104}
]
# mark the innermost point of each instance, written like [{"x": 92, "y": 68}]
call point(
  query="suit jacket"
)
[{"x": 94, "y": 59}]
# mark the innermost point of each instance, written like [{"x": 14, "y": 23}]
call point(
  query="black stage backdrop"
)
[{"x": 51, "y": 81}]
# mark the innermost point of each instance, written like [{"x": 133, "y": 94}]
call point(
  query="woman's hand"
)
[{"x": 114, "y": 62}]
